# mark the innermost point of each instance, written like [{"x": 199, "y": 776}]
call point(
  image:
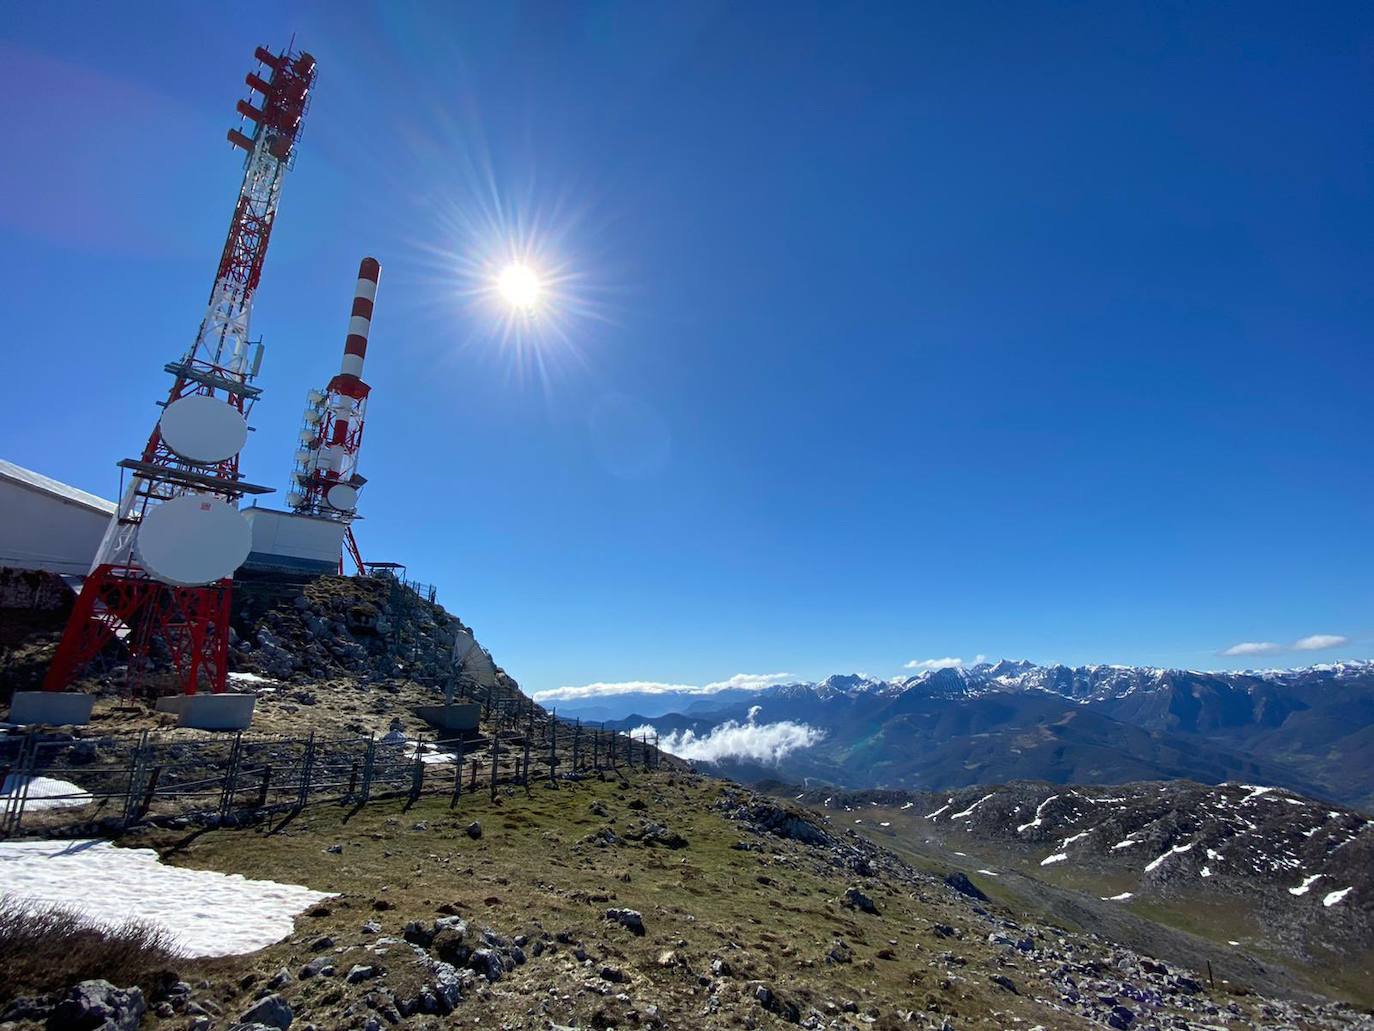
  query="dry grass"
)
[{"x": 48, "y": 948}]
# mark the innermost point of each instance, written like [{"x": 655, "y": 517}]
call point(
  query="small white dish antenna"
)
[
  {"x": 342, "y": 497},
  {"x": 203, "y": 429},
  {"x": 193, "y": 539}
]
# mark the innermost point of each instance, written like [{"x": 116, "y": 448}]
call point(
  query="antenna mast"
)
[{"x": 165, "y": 566}]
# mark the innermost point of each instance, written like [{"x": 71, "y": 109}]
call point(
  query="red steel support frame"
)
[{"x": 192, "y": 623}]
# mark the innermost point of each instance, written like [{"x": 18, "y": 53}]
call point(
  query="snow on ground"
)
[
  {"x": 1058, "y": 857},
  {"x": 990, "y": 873},
  {"x": 1302, "y": 888},
  {"x": 1038, "y": 810},
  {"x": 44, "y": 792},
  {"x": 1255, "y": 792},
  {"x": 908, "y": 805},
  {"x": 1072, "y": 838},
  {"x": 208, "y": 913},
  {"x": 1117, "y": 898},
  {"x": 1125, "y": 844},
  {"x": 249, "y": 678},
  {"x": 1336, "y": 896},
  {"x": 931, "y": 816},
  {"x": 885, "y": 823},
  {"x": 1154, "y": 863},
  {"x": 966, "y": 812}
]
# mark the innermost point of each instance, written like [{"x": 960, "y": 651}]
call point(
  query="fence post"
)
[
  {"x": 577, "y": 746},
  {"x": 266, "y": 783},
  {"x": 458, "y": 776},
  {"x": 369, "y": 761},
  {"x": 495, "y": 761},
  {"x": 417, "y": 775},
  {"x": 307, "y": 771},
  {"x": 231, "y": 776},
  {"x": 135, "y": 792},
  {"x": 151, "y": 792},
  {"x": 553, "y": 747}
]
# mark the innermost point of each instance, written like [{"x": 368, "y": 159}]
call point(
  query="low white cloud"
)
[
  {"x": 739, "y": 682},
  {"x": 1311, "y": 643},
  {"x": 1316, "y": 642},
  {"x": 760, "y": 742},
  {"x": 603, "y": 690},
  {"x": 944, "y": 663}
]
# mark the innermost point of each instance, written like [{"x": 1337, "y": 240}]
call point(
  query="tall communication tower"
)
[
  {"x": 164, "y": 571},
  {"x": 325, "y": 481}
]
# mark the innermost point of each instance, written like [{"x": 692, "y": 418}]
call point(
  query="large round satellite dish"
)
[
  {"x": 342, "y": 497},
  {"x": 203, "y": 429},
  {"x": 193, "y": 539}
]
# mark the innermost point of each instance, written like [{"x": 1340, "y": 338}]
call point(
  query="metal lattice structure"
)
[
  {"x": 120, "y": 596},
  {"x": 325, "y": 481}
]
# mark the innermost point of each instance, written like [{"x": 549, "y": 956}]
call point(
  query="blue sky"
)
[{"x": 883, "y": 333}]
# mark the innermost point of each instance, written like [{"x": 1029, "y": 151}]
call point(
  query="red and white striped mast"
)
[
  {"x": 150, "y": 585},
  {"x": 325, "y": 481}
]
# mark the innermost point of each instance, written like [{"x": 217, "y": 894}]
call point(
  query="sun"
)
[{"x": 520, "y": 287}]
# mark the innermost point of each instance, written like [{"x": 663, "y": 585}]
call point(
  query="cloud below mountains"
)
[
  {"x": 738, "y": 682},
  {"x": 759, "y": 742},
  {"x": 1311, "y": 643}
]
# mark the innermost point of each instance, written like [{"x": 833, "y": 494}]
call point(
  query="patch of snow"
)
[
  {"x": 1038, "y": 811},
  {"x": 249, "y": 678},
  {"x": 1154, "y": 863},
  {"x": 990, "y": 873},
  {"x": 885, "y": 823},
  {"x": 1124, "y": 844},
  {"x": 961, "y": 853},
  {"x": 1058, "y": 857},
  {"x": 966, "y": 812},
  {"x": 1229, "y": 942},
  {"x": 208, "y": 913},
  {"x": 931, "y": 816},
  {"x": 1307, "y": 882},
  {"x": 1335, "y": 896},
  {"x": 908, "y": 805},
  {"x": 1206, "y": 871},
  {"x": 1117, "y": 898},
  {"x": 1255, "y": 791},
  {"x": 1070, "y": 840},
  {"x": 44, "y": 792}
]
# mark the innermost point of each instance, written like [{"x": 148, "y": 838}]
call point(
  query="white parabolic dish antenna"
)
[
  {"x": 203, "y": 429},
  {"x": 342, "y": 497},
  {"x": 194, "y": 539}
]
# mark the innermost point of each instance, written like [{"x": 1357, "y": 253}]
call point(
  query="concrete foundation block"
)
[
  {"x": 458, "y": 717},
  {"x": 56, "y": 708},
  {"x": 210, "y": 711}
]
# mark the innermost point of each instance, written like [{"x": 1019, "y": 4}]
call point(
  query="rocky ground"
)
[
  {"x": 663, "y": 900},
  {"x": 1254, "y": 877}
]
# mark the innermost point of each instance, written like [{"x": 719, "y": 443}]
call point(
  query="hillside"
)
[
  {"x": 1282, "y": 878},
  {"x": 1309, "y": 729},
  {"x": 556, "y": 916}
]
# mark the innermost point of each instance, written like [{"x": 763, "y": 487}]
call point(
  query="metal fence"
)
[{"x": 122, "y": 780}]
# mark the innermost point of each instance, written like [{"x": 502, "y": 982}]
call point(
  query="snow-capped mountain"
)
[{"x": 1309, "y": 729}]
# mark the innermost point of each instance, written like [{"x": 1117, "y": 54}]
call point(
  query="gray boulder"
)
[
  {"x": 271, "y": 1010},
  {"x": 98, "y": 1006}
]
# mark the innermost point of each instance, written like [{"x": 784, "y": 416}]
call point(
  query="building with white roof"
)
[{"x": 48, "y": 525}]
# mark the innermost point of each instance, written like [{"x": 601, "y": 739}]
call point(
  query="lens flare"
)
[{"x": 520, "y": 287}]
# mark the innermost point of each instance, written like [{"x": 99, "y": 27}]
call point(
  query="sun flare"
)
[{"x": 519, "y": 287}]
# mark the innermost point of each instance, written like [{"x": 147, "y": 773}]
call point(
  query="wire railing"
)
[{"x": 51, "y": 787}]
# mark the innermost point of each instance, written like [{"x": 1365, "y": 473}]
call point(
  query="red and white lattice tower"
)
[
  {"x": 164, "y": 573},
  {"x": 325, "y": 481}
]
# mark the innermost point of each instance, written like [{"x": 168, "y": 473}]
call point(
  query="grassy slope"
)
[
  {"x": 527, "y": 874},
  {"x": 772, "y": 914},
  {"x": 1180, "y": 928}
]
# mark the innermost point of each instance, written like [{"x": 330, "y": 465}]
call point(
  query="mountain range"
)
[{"x": 1309, "y": 729}]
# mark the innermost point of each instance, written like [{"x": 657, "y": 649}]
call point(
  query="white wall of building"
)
[{"x": 48, "y": 525}]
